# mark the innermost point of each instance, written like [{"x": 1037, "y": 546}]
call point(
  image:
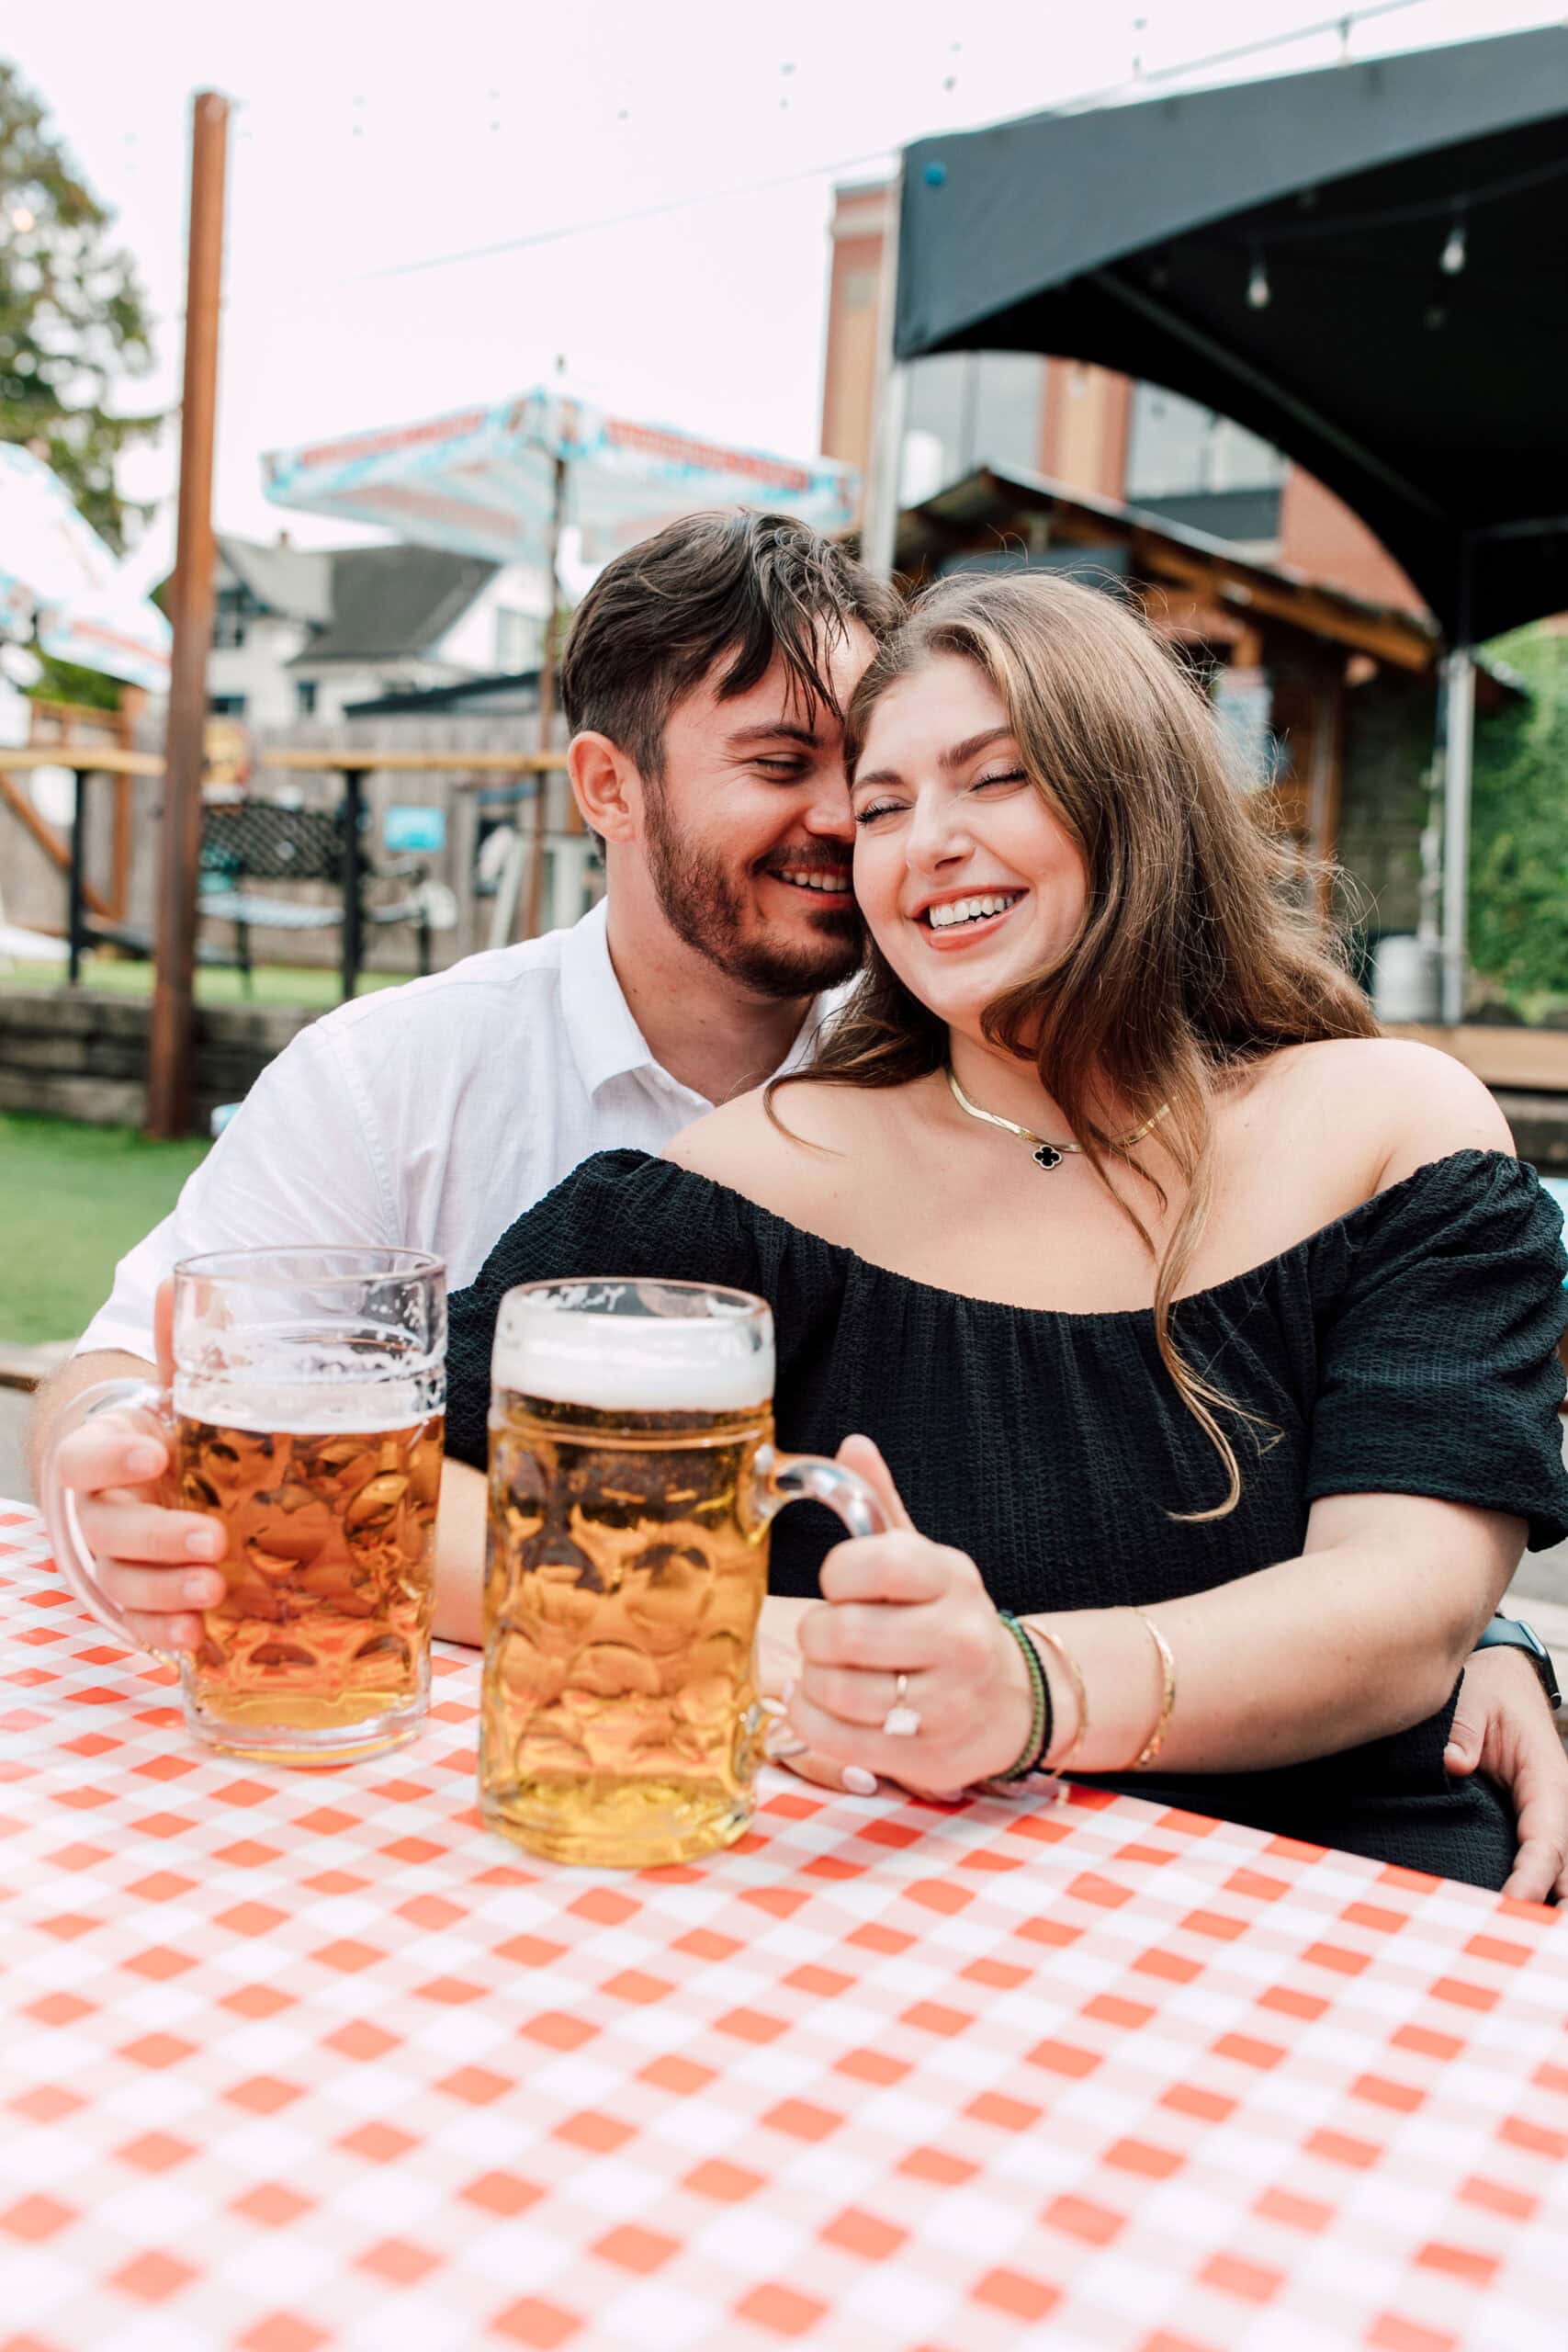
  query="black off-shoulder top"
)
[{"x": 1407, "y": 1348}]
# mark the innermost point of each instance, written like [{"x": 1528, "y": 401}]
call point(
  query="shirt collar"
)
[{"x": 604, "y": 1038}]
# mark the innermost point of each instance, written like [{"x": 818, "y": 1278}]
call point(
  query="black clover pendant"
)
[{"x": 1046, "y": 1155}]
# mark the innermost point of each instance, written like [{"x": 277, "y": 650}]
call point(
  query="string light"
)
[
  {"x": 1454, "y": 253},
  {"x": 22, "y": 220},
  {"x": 1258, "y": 292}
]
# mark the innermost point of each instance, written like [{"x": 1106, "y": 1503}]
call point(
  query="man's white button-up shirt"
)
[{"x": 425, "y": 1118}]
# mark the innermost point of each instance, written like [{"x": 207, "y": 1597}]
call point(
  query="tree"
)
[
  {"x": 71, "y": 316},
  {"x": 1519, "y": 860}
]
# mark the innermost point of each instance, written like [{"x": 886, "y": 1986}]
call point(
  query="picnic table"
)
[{"x": 294, "y": 2061}]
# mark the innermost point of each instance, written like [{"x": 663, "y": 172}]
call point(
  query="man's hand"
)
[
  {"x": 1503, "y": 1727},
  {"x": 153, "y": 1563}
]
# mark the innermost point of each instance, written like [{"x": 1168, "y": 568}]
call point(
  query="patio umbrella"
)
[
  {"x": 1365, "y": 264},
  {"x": 481, "y": 482},
  {"x": 59, "y": 580}
]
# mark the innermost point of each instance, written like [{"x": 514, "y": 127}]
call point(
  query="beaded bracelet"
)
[
  {"x": 1039, "y": 1722},
  {"x": 1074, "y": 1672}
]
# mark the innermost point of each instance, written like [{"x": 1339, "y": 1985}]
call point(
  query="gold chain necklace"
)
[{"x": 1045, "y": 1155}]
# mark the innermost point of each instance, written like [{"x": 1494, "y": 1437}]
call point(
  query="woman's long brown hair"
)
[{"x": 1193, "y": 956}]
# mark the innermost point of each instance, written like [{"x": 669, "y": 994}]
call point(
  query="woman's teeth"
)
[{"x": 970, "y": 909}]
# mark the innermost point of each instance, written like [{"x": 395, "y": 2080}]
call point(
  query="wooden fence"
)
[{"x": 301, "y": 763}]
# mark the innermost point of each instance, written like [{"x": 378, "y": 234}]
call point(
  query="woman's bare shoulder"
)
[
  {"x": 1393, "y": 1101},
  {"x": 789, "y": 1153}
]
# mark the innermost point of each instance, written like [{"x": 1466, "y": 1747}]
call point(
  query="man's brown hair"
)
[{"x": 730, "y": 590}]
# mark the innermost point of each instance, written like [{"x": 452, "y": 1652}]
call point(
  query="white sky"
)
[{"x": 364, "y": 140}]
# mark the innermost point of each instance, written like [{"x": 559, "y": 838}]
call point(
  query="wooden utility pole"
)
[
  {"x": 170, "y": 1073},
  {"x": 547, "y": 701}
]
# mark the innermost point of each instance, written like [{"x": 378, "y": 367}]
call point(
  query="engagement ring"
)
[{"x": 901, "y": 1721}]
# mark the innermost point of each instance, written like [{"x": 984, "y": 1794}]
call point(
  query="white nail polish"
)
[{"x": 858, "y": 1781}]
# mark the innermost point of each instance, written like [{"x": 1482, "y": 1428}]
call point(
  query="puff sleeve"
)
[{"x": 1437, "y": 1364}]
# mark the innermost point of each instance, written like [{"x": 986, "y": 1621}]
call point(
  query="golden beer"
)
[
  {"x": 305, "y": 1415},
  {"x": 328, "y": 1559},
  {"x": 633, "y": 1479},
  {"x": 626, "y": 1576}
]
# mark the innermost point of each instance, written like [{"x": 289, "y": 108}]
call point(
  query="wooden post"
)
[
  {"x": 76, "y": 927},
  {"x": 546, "y": 704},
  {"x": 169, "y": 1077}
]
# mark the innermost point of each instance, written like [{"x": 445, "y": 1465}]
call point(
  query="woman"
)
[{"x": 1205, "y": 1330}]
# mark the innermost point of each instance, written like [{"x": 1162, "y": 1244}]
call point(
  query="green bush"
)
[{"x": 1518, "y": 851}]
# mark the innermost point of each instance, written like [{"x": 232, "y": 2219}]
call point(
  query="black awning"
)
[{"x": 1141, "y": 237}]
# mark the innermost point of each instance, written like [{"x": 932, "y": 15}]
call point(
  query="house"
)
[{"x": 301, "y": 632}]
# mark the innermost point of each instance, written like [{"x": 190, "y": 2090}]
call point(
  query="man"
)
[{"x": 704, "y": 683}]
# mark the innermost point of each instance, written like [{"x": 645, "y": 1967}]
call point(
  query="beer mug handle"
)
[
  {"x": 57, "y": 1502},
  {"x": 811, "y": 1477}
]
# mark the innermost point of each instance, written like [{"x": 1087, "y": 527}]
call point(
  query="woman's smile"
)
[{"x": 962, "y": 918}]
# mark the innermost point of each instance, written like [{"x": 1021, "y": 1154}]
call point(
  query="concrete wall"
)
[{"x": 84, "y": 1057}]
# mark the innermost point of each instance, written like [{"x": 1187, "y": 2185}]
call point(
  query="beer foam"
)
[
  {"x": 610, "y": 1362},
  {"x": 326, "y": 1392},
  {"x": 302, "y": 1410}
]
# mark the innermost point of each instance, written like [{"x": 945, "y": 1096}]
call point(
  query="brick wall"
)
[{"x": 85, "y": 1057}]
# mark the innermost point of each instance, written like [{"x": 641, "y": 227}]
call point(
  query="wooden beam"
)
[
  {"x": 101, "y": 760},
  {"x": 171, "y": 1042},
  {"x": 119, "y": 872},
  {"x": 326, "y": 761},
  {"x": 1404, "y": 644}
]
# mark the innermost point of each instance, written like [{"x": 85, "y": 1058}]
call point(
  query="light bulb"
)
[
  {"x": 1258, "y": 289},
  {"x": 1453, "y": 257}
]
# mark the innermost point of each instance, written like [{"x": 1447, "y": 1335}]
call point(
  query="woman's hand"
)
[{"x": 896, "y": 1604}]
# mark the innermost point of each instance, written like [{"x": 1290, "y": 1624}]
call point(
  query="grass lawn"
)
[
  {"x": 73, "y": 1199},
  {"x": 303, "y": 984}
]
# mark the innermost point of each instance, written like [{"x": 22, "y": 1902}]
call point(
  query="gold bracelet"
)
[
  {"x": 1155, "y": 1740},
  {"x": 1080, "y": 1698}
]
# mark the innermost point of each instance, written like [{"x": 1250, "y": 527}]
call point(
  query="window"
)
[
  {"x": 974, "y": 408},
  {"x": 233, "y": 607},
  {"x": 226, "y": 705},
  {"x": 514, "y": 641},
  {"x": 305, "y": 697},
  {"x": 1176, "y": 448}
]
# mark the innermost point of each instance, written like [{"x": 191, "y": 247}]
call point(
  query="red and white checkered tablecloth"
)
[{"x": 294, "y": 2061}]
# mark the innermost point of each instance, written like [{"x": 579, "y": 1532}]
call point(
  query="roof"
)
[
  {"x": 390, "y": 603},
  {"x": 1364, "y": 264},
  {"x": 509, "y": 691},
  {"x": 986, "y": 496},
  {"x": 295, "y": 582}
]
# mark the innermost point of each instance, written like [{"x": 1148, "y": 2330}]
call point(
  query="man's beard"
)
[{"x": 703, "y": 905}]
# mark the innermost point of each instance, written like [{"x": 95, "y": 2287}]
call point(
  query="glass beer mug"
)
[
  {"x": 633, "y": 1479},
  {"x": 305, "y": 1416}
]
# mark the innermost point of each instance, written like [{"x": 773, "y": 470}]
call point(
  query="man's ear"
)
[{"x": 607, "y": 786}]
